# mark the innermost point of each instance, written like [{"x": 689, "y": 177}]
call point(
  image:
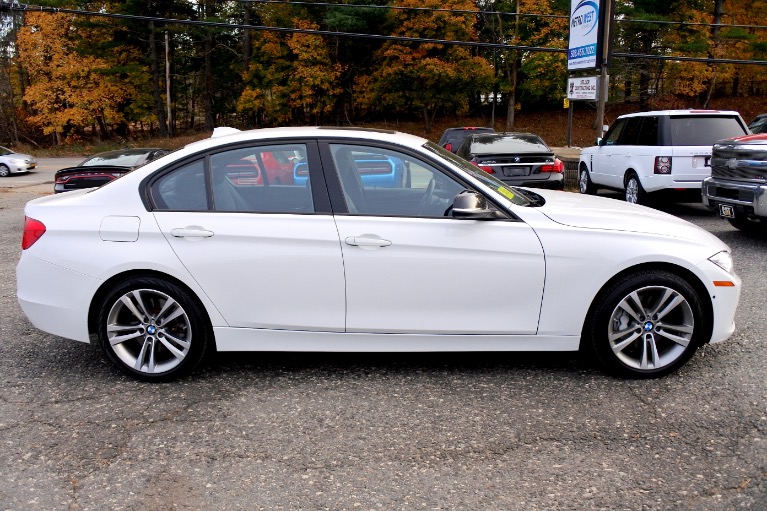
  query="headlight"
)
[{"x": 723, "y": 260}]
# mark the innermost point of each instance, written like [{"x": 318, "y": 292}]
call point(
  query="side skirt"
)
[{"x": 244, "y": 339}]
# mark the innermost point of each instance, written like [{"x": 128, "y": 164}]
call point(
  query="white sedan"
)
[
  {"x": 15, "y": 163},
  {"x": 189, "y": 254}
]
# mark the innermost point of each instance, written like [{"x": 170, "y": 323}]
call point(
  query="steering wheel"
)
[{"x": 427, "y": 195}]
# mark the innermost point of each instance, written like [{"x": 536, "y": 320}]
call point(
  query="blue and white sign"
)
[{"x": 583, "y": 50}]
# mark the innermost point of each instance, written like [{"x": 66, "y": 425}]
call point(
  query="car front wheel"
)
[
  {"x": 584, "y": 182},
  {"x": 152, "y": 329},
  {"x": 646, "y": 325}
]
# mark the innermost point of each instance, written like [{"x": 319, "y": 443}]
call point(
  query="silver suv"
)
[
  {"x": 646, "y": 152},
  {"x": 737, "y": 188}
]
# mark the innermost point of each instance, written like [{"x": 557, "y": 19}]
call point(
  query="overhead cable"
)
[{"x": 214, "y": 24}]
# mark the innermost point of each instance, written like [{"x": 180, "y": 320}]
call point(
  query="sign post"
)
[{"x": 589, "y": 48}]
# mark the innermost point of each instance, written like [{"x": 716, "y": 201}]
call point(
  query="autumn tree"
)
[
  {"x": 70, "y": 87},
  {"x": 536, "y": 76},
  {"x": 426, "y": 77},
  {"x": 291, "y": 78}
]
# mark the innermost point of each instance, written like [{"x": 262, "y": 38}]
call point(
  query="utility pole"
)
[
  {"x": 604, "y": 76},
  {"x": 167, "y": 83}
]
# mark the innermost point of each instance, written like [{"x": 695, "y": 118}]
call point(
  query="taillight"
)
[
  {"x": 486, "y": 168},
  {"x": 663, "y": 164},
  {"x": 557, "y": 166},
  {"x": 33, "y": 230}
]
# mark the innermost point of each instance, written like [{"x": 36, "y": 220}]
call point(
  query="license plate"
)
[
  {"x": 726, "y": 211},
  {"x": 516, "y": 171}
]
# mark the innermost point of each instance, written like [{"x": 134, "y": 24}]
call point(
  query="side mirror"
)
[{"x": 470, "y": 205}]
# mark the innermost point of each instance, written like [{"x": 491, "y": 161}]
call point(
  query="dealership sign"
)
[
  {"x": 585, "y": 41},
  {"x": 583, "y": 89}
]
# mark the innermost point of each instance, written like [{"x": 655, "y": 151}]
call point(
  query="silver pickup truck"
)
[{"x": 737, "y": 188}]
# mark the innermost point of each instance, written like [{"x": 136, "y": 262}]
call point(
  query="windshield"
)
[
  {"x": 512, "y": 194},
  {"x": 502, "y": 143},
  {"x": 120, "y": 159}
]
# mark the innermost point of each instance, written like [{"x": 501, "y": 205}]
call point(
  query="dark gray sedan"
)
[{"x": 520, "y": 159}]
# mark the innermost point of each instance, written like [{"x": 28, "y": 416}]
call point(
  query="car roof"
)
[
  {"x": 469, "y": 128},
  {"x": 681, "y": 112},
  {"x": 232, "y": 137}
]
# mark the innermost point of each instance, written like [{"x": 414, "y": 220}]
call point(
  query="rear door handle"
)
[
  {"x": 367, "y": 242},
  {"x": 190, "y": 232}
]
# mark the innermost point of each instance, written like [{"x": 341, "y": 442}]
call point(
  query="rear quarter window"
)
[{"x": 702, "y": 130}]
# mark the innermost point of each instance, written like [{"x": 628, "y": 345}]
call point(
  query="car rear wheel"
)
[
  {"x": 635, "y": 194},
  {"x": 645, "y": 326},
  {"x": 4, "y": 170},
  {"x": 584, "y": 181},
  {"x": 153, "y": 330}
]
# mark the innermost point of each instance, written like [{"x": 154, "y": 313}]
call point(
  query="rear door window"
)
[{"x": 648, "y": 132}]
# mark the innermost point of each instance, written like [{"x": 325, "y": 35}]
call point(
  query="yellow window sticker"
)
[{"x": 506, "y": 193}]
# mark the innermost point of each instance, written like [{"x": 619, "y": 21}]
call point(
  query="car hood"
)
[{"x": 590, "y": 212}]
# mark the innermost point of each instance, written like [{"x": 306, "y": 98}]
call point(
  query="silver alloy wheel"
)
[
  {"x": 149, "y": 331},
  {"x": 651, "y": 328},
  {"x": 632, "y": 191},
  {"x": 583, "y": 181}
]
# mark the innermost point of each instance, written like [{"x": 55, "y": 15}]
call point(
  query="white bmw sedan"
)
[{"x": 203, "y": 249}]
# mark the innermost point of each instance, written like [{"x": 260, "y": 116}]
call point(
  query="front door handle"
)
[
  {"x": 190, "y": 232},
  {"x": 367, "y": 242}
]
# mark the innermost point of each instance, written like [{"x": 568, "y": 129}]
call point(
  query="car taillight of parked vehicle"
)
[
  {"x": 558, "y": 166},
  {"x": 33, "y": 231},
  {"x": 663, "y": 165},
  {"x": 486, "y": 168}
]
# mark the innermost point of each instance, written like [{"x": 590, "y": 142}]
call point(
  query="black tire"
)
[
  {"x": 4, "y": 170},
  {"x": 749, "y": 226},
  {"x": 666, "y": 328},
  {"x": 634, "y": 193},
  {"x": 584, "y": 181},
  {"x": 153, "y": 350}
]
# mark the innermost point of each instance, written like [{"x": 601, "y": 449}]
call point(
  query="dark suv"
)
[
  {"x": 452, "y": 138},
  {"x": 737, "y": 188}
]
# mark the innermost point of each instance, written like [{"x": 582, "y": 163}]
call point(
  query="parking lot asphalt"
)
[{"x": 396, "y": 431}]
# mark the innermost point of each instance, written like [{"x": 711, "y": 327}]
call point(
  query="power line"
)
[
  {"x": 401, "y": 8},
  {"x": 504, "y": 13},
  {"x": 16, "y": 7}
]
